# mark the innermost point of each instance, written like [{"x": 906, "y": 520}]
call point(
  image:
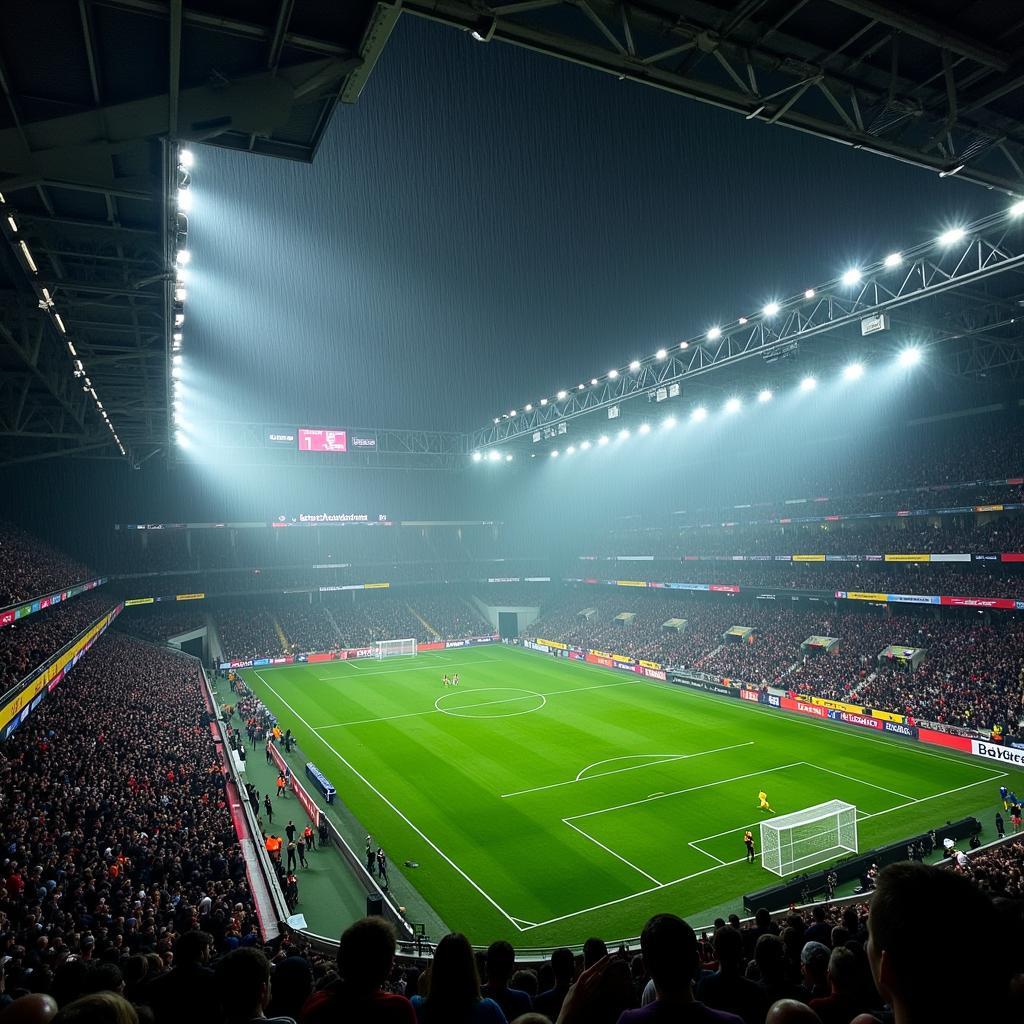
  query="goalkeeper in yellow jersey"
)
[{"x": 762, "y": 800}]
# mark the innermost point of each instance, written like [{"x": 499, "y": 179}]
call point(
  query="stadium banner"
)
[
  {"x": 945, "y": 739},
  {"x": 861, "y": 595},
  {"x": 321, "y": 782},
  {"x": 908, "y": 558},
  {"x": 702, "y": 681},
  {"x": 553, "y": 643},
  {"x": 376, "y": 586},
  {"x": 133, "y": 601},
  {"x": 900, "y": 728},
  {"x": 312, "y": 659},
  {"x": 650, "y": 664},
  {"x": 1012, "y": 556},
  {"x": 835, "y": 705},
  {"x": 988, "y": 508},
  {"x": 688, "y": 586},
  {"x": 45, "y": 678},
  {"x": 979, "y": 602},
  {"x": 887, "y": 716},
  {"x": 951, "y": 558},
  {"x": 722, "y": 589},
  {"x": 597, "y": 659},
  {"x": 311, "y": 809},
  {"x": 257, "y": 662},
  {"x": 630, "y": 583},
  {"x": 436, "y": 646},
  {"x": 986, "y": 557},
  {"x": 913, "y": 598},
  {"x": 450, "y": 645},
  {"x": 864, "y": 721},
  {"x": 998, "y": 752},
  {"x": 189, "y": 597},
  {"x": 814, "y": 710},
  {"x": 19, "y": 611},
  {"x": 754, "y": 696},
  {"x": 808, "y": 558}
]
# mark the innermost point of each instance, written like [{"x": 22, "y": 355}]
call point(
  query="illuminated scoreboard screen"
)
[{"x": 311, "y": 440}]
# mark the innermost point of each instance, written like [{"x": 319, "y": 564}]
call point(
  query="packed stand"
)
[
  {"x": 28, "y": 643},
  {"x": 157, "y": 624},
  {"x": 116, "y": 829},
  {"x": 31, "y": 568},
  {"x": 450, "y": 616},
  {"x": 308, "y": 627},
  {"x": 247, "y": 632}
]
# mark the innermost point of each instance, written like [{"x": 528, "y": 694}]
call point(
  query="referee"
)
[{"x": 748, "y": 842}]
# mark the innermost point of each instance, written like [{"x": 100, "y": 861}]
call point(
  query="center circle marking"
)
[{"x": 523, "y": 695}]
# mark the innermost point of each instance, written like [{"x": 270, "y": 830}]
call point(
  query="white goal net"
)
[
  {"x": 804, "y": 839},
  {"x": 394, "y": 648}
]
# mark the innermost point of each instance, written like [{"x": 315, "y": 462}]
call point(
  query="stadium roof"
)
[{"x": 98, "y": 93}]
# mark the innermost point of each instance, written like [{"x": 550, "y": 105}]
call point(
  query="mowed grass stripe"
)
[{"x": 448, "y": 774}]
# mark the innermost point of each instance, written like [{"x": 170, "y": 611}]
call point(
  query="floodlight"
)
[
  {"x": 603, "y": 439},
  {"x": 176, "y": 372},
  {"x": 508, "y": 458},
  {"x": 493, "y": 455},
  {"x": 668, "y": 422},
  {"x": 854, "y": 371},
  {"x": 585, "y": 446},
  {"x": 910, "y": 356},
  {"x": 176, "y": 360},
  {"x": 182, "y": 440},
  {"x": 635, "y": 365},
  {"x": 1017, "y": 209},
  {"x": 543, "y": 401},
  {"x": 733, "y": 405},
  {"x": 714, "y": 334},
  {"x": 808, "y": 384},
  {"x": 894, "y": 259},
  {"x": 177, "y": 337},
  {"x": 527, "y": 407},
  {"x": 179, "y": 319},
  {"x": 742, "y": 320},
  {"x": 571, "y": 450},
  {"x": 13, "y": 223},
  {"x": 771, "y": 309},
  {"x": 580, "y": 387},
  {"x": 180, "y": 294},
  {"x": 623, "y": 434},
  {"x": 497, "y": 419},
  {"x": 186, "y": 158},
  {"x": 60, "y": 323},
  {"x": 28, "y": 256},
  {"x": 593, "y": 382},
  {"x": 184, "y": 199},
  {"x": 554, "y": 454},
  {"x": 764, "y": 395},
  {"x": 483, "y": 28},
  {"x": 661, "y": 354},
  {"x": 645, "y": 428},
  {"x": 683, "y": 346},
  {"x": 951, "y": 236},
  {"x": 852, "y": 276},
  {"x": 561, "y": 396},
  {"x": 612, "y": 374},
  {"x": 183, "y": 256},
  {"x": 698, "y": 414},
  {"x": 809, "y": 293}
]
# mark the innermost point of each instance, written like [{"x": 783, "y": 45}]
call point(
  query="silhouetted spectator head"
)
[
  {"x": 814, "y": 958},
  {"x": 770, "y": 956},
  {"x": 366, "y": 952},
  {"x": 935, "y": 944},
  {"x": 105, "y": 977},
  {"x": 98, "y": 1008},
  {"x": 791, "y": 1011},
  {"x": 734, "y": 921},
  {"x": 593, "y": 950},
  {"x": 291, "y": 985},
  {"x": 525, "y": 981},
  {"x": 501, "y": 961},
  {"x": 243, "y": 982},
  {"x": 563, "y": 963},
  {"x": 729, "y": 949},
  {"x": 192, "y": 948},
  {"x": 31, "y": 1009},
  {"x": 843, "y": 974},
  {"x": 669, "y": 947},
  {"x": 454, "y": 982}
]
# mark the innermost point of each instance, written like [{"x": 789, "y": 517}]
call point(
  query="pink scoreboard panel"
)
[{"x": 322, "y": 440}]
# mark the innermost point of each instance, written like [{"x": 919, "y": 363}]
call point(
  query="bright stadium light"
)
[
  {"x": 1017, "y": 209},
  {"x": 554, "y": 454},
  {"x": 809, "y": 293},
  {"x": 910, "y": 356},
  {"x": 668, "y": 422},
  {"x": 764, "y": 395},
  {"x": 183, "y": 256},
  {"x": 808, "y": 384},
  {"x": 176, "y": 359},
  {"x": 771, "y": 309},
  {"x": 714, "y": 334},
  {"x": 612, "y": 374},
  {"x": 528, "y": 407},
  {"x": 742, "y": 320},
  {"x": 661, "y": 354},
  {"x": 477, "y": 456},
  {"x": 951, "y": 236},
  {"x": 894, "y": 259},
  {"x": 571, "y": 450},
  {"x": 543, "y": 401},
  {"x": 508, "y": 458},
  {"x": 182, "y": 439},
  {"x": 180, "y": 294},
  {"x": 593, "y": 382},
  {"x": 562, "y": 396},
  {"x": 623, "y": 434},
  {"x": 494, "y": 456},
  {"x": 186, "y": 158},
  {"x": 512, "y": 414},
  {"x": 497, "y": 419},
  {"x": 581, "y": 387},
  {"x": 683, "y": 346},
  {"x": 852, "y": 276},
  {"x": 854, "y": 371},
  {"x": 176, "y": 372},
  {"x": 698, "y": 414},
  {"x": 585, "y": 446},
  {"x": 645, "y": 428},
  {"x": 733, "y": 405},
  {"x": 184, "y": 199},
  {"x": 603, "y": 439},
  {"x": 635, "y": 365}
]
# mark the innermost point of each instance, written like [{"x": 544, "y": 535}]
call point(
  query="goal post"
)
[
  {"x": 394, "y": 648},
  {"x": 804, "y": 839}
]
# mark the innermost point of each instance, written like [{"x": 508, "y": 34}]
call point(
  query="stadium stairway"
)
[
  {"x": 334, "y": 623},
  {"x": 282, "y": 639},
  {"x": 426, "y": 625}
]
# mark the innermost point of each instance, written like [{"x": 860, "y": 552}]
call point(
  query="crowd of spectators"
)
[
  {"x": 450, "y": 616},
  {"x": 159, "y": 621},
  {"x": 29, "y": 642},
  {"x": 117, "y": 836},
  {"x": 31, "y": 568},
  {"x": 248, "y": 631},
  {"x": 308, "y": 627}
]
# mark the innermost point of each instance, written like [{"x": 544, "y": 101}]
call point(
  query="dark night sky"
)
[{"x": 487, "y": 225}]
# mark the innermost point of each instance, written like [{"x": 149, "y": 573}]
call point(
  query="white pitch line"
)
[
  {"x": 691, "y": 789},
  {"x": 398, "y": 671},
  {"x": 705, "y": 852},
  {"x": 863, "y": 782},
  {"x": 608, "y": 849},
  {"x": 380, "y": 796},
  {"x": 934, "y": 796},
  {"x": 666, "y": 759}
]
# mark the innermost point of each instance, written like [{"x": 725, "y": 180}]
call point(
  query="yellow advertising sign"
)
[
  {"x": 622, "y": 658},
  {"x": 858, "y": 595},
  {"x": 376, "y": 586},
  {"x": 630, "y": 583},
  {"x": 908, "y": 558},
  {"x": 888, "y": 716},
  {"x": 553, "y": 643},
  {"x": 808, "y": 558},
  {"x": 190, "y": 597},
  {"x": 835, "y": 705},
  {"x": 988, "y": 508},
  {"x": 600, "y": 654},
  {"x": 132, "y": 601},
  {"x": 650, "y": 664}
]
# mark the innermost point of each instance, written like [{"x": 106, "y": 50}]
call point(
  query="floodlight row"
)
[
  {"x": 849, "y": 278},
  {"x": 906, "y": 358},
  {"x": 182, "y": 257},
  {"x": 48, "y": 306}
]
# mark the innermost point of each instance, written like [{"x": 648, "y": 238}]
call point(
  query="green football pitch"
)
[{"x": 546, "y": 800}]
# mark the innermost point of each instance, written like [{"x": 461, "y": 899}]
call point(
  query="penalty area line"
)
[
  {"x": 608, "y": 849},
  {"x": 380, "y": 796}
]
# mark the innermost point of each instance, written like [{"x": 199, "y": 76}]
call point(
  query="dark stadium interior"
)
[{"x": 680, "y": 343}]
